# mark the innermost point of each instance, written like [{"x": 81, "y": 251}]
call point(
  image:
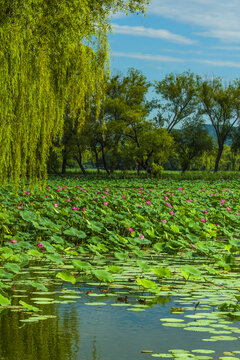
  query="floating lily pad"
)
[
  {"x": 69, "y": 297},
  {"x": 179, "y": 351},
  {"x": 224, "y": 338},
  {"x": 163, "y": 355},
  {"x": 203, "y": 351},
  {"x": 198, "y": 328},
  {"x": 95, "y": 303},
  {"x": 174, "y": 320},
  {"x": 170, "y": 324}
]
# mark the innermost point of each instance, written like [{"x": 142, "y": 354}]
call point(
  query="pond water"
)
[{"x": 89, "y": 321}]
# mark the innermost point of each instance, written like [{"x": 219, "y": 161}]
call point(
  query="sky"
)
[{"x": 202, "y": 36}]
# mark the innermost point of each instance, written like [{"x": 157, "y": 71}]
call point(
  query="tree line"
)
[{"x": 132, "y": 132}]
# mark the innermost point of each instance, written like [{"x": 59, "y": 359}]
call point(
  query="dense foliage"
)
[{"x": 51, "y": 53}]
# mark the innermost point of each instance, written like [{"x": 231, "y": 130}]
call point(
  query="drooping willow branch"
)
[{"x": 52, "y": 53}]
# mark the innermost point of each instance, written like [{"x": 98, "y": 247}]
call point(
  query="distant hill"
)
[{"x": 212, "y": 132}]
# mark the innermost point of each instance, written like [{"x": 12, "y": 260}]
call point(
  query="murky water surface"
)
[{"x": 92, "y": 322}]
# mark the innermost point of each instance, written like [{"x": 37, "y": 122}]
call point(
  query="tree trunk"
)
[
  {"x": 219, "y": 154},
  {"x": 97, "y": 159},
  {"x": 138, "y": 169},
  {"x": 79, "y": 161},
  {"x": 104, "y": 160},
  {"x": 184, "y": 168},
  {"x": 64, "y": 162}
]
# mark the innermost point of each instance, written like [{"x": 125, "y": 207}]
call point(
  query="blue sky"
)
[{"x": 202, "y": 36}]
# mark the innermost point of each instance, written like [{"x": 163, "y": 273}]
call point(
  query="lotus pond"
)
[{"x": 130, "y": 269}]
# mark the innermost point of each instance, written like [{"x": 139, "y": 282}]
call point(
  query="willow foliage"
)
[{"x": 52, "y": 53}]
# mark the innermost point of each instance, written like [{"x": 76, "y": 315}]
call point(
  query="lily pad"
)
[{"x": 95, "y": 303}]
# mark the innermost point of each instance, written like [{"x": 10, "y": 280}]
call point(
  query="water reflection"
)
[
  {"x": 82, "y": 332},
  {"x": 45, "y": 340}
]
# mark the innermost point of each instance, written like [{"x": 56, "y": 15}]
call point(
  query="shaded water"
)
[{"x": 103, "y": 332}]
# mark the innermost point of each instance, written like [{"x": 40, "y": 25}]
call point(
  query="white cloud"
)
[
  {"x": 149, "y": 57},
  {"x": 222, "y": 63},
  {"x": 228, "y": 48},
  {"x": 162, "y": 58},
  {"x": 225, "y": 36},
  {"x": 218, "y": 18},
  {"x": 152, "y": 33}
]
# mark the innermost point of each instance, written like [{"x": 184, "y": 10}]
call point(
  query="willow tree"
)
[{"x": 52, "y": 52}]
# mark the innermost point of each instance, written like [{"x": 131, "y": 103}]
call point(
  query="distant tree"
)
[
  {"x": 125, "y": 104},
  {"x": 178, "y": 98},
  {"x": 148, "y": 144},
  {"x": 221, "y": 103},
  {"x": 192, "y": 141}
]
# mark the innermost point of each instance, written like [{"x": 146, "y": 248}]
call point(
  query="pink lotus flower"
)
[
  {"x": 105, "y": 203},
  {"x": 40, "y": 245},
  {"x": 205, "y": 211},
  {"x": 148, "y": 202},
  {"x": 203, "y": 220},
  {"x": 130, "y": 230},
  {"x": 13, "y": 241},
  {"x": 141, "y": 236}
]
